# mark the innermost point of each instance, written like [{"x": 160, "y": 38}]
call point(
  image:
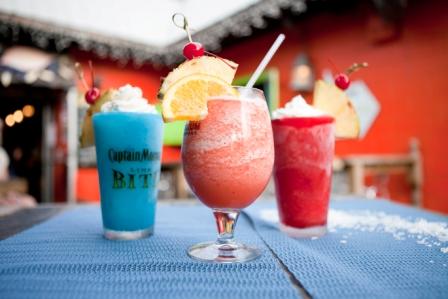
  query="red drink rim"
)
[{"x": 303, "y": 121}]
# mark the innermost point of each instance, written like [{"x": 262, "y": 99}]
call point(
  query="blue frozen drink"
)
[{"x": 128, "y": 138}]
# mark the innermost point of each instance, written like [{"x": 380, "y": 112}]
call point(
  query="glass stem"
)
[{"x": 225, "y": 222}]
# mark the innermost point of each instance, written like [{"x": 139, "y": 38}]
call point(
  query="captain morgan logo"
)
[
  {"x": 137, "y": 176},
  {"x": 131, "y": 156}
]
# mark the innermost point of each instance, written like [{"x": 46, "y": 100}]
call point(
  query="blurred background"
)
[{"x": 400, "y": 97}]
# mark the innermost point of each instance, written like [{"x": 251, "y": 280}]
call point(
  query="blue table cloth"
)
[
  {"x": 67, "y": 257},
  {"x": 373, "y": 249}
]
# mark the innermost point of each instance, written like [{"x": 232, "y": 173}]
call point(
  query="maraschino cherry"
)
[
  {"x": 92, "y": 93},
  {"x": 342, "y": 80},
  {"x": 191, "y": 49}
]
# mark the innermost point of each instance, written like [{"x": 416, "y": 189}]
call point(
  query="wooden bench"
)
[{"x": 410, "y": 163}]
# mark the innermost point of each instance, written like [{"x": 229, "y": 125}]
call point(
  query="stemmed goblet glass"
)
[{"x": 227, "y": 160}]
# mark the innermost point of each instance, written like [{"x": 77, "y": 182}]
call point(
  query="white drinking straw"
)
[{"x": 265, "y": 60}]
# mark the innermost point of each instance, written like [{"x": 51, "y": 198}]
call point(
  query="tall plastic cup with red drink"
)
[{"x": 304, "y": 148}]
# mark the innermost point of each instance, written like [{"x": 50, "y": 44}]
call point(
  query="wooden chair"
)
[{"x": 411, "y": 164}]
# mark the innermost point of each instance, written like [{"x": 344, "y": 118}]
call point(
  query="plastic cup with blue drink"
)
[{"x": 128, "y": 137}]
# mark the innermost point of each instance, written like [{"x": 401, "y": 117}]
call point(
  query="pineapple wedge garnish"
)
[
  {"x": 332, "y": 100},
  {"x": 87, "y": 137}
]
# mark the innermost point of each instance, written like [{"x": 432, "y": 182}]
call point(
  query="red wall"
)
[{"x": 407, "y": 75}]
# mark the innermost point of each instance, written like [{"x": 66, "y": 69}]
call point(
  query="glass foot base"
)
[
  {"x": 127, "y": 235},
  {"x": 223, "y": 253},
  {"x": 294, "y": 232}
]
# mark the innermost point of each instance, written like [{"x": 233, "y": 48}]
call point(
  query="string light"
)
[
  {"x": 28, "y": 110},
  {"x": 9, "y": 120},
  {"x": 18, "y": 116}
]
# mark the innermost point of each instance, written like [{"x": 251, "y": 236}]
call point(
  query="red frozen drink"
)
[
  {"x": 304, "y": 147},
  {"x": 228, "y": 157}
]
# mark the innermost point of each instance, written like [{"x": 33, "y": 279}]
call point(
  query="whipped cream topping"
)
[
  {"x": 297, "y": 107},
  {"x": 128, "y": 99}
]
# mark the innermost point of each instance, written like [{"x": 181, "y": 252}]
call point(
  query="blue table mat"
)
[
  {"x": 348, "y": 263},
  {"x": 67, "y": 257}
]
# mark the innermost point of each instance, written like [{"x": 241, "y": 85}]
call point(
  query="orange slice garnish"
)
[{"x": 186, "y": 99}]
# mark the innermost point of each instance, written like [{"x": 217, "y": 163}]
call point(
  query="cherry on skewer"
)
[
  {"x": 191, "y": 49},
  {"x": 92, "y": 93},
  {"x": 342, "y": 80}
]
